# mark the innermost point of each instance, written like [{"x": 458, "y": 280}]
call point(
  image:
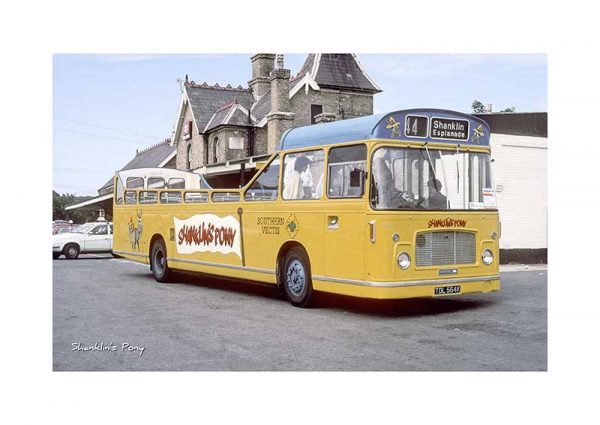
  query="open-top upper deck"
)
[{"x": 423, "y": 125}]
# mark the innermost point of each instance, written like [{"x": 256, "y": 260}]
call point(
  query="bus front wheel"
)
[
  {"x": 158, "y": 258},
  {"x": 296, "y": 275}
]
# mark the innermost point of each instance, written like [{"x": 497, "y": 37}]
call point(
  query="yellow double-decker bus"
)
[{"x": 395, "y": 205}]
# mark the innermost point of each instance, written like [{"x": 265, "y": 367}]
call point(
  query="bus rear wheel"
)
[
  {"x": 158, "y": 259},
  {"x": 296, "y": 278}
]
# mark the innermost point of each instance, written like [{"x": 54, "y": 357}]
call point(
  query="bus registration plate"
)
[{"x": 446, "y": 290}]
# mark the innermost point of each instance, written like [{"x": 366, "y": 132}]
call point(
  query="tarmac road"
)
[{"x": 110, "y": 314}]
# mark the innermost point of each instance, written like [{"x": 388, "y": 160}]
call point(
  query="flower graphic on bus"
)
[
  {"x": 394, "y": 126},
  {"x": 135, "y": 232},
  {"x": 478, "y": 133},
  {"x": 292, "y": 226}
]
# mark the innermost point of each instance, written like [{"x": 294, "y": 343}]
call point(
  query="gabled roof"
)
[
  {"x": 153, "y": 156},
  {"x": 214, "y": 106},
  {"x": 205, "y": 100},
  {"x": 341, "y": 71},
  {"x": 234, "y": 114}
]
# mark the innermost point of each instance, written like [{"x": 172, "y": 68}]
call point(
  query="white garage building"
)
[{"x": 519, "y": 144}]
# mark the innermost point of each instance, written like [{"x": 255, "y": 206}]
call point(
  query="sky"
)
[{"x": 107, "y": 106}]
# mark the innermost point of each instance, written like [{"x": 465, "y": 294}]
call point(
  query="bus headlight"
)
[
  {"x": 487, "y": 257},
  {"x": 403, "y": 260}
]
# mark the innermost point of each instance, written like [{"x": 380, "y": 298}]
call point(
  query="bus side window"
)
[
  {"x": 147, "y": 197},
  {"x": 347, "y": 167},
  {"x": 176, "y": 183},
  {"x": 195, "y": 197},
  {"x": 266, "y": 186},
  {"x": 156, "y": 183},
  {"x": 303, "y": 175},
  {"x": 225, "y": 196},
  {"x": 134, "y": 182},
  {"x": 130, "y": 197},
  {"x": 170, "y": 197}
]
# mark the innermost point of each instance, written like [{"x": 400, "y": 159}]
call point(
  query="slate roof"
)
[
  {"x": 206, "y": 100},
  {"x": 213, "y": 106},
  {"x": 337, "y": 71},
  {"x": 262, "y": 107},
  {"x": 151, "y": 156},
  {"x": 230, "y": 115}
]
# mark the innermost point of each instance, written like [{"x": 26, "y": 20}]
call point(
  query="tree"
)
[
  {"x": 478, "y": 107},
  {"x": 511, "y": 109},
  {"x": 81, "y": 215}
]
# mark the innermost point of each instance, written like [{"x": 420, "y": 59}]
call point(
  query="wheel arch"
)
[
  {"x": 155, "y": 237},
  {"x": 285, "y": 248},
  {"x": 63, "y": 250}
]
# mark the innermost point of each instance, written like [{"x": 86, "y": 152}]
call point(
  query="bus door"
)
[{"x": 345, "y": 212}]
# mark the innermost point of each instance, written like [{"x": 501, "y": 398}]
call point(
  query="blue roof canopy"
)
[{"x": 424, "y": 125}]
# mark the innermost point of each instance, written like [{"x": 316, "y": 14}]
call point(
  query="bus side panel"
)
[
  {"x": 128, "y": 234},
  {"x": 197, "y": 260},
  {"x": 345, "y": 240},
  {"x": 264, "y": 232},
  {"x": 268, "y": 226}
]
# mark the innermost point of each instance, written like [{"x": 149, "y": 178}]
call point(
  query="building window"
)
[
  {"x": 314, "y": 111},
  {"x": 205, "y": 151},
  {"x": 188, "y": 161},
  {"x": 187, "y": 131},
  {"x": 215, "y": 149}
]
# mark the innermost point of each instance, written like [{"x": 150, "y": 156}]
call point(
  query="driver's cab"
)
[{"x": 401, "y": 179}]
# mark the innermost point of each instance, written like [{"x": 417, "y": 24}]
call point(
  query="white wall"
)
[{"x": 520, "y": 175}]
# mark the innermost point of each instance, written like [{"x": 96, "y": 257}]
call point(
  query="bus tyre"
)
[
  {"x": 71, "y": 251},
  {"x": 158, "y": 262},
  {"x": 296, "y": 278}
]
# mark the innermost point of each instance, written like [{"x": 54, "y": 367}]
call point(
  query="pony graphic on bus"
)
[
  {"x": 135, "y": 232},
  {"x": 394, "y": 126}
]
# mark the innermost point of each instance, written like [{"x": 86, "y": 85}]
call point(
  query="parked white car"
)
[{"x": 89, "y": 237}]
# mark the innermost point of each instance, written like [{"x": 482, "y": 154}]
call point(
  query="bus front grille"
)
[{"x": 445, "y": 248}]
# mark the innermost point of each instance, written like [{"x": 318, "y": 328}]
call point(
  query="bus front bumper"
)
[{"x": 408, "y": 289}]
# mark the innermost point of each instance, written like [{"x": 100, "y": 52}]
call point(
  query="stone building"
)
[{"x": 220, "y": 129}]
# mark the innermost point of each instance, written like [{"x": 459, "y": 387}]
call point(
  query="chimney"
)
[
  {"x": 488, "y": 108},
  {"x": 262, "y": 65},
  {"x": 280, "y": 118}
]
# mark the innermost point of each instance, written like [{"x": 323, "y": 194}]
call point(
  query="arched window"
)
[{"x": 189, "y": 157}]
